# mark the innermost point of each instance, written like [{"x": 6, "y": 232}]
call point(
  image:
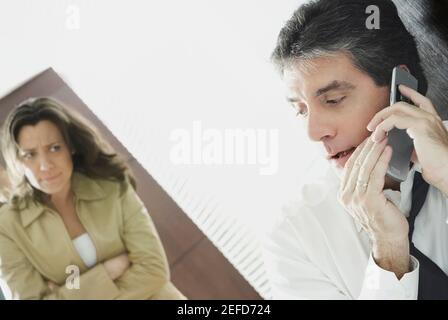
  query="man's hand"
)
[
  {"x": 424, "y": 126},
  {"x": 116, "y": 266},
  {"x": 361, "y": 193}
]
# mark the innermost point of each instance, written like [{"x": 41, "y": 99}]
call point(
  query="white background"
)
[{"x": 148, "y": 68}]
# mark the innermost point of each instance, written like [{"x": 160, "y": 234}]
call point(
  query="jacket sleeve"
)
[
  {"x": 20, "y": 280},
  {"x": 149, "y": 270}
]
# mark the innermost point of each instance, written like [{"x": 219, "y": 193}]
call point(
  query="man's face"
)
[{"x": 336, "y": 101}]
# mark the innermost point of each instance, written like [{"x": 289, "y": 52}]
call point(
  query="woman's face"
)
[{"x": 46, "y": 158}]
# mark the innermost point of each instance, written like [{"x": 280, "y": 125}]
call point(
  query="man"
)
[{"x": 355, "y": 234}]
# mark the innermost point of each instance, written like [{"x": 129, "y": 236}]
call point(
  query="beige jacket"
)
[{"x": 35, "y": 247}]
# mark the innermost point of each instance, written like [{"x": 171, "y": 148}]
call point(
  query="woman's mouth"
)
[{"x": 51, "y": 179}]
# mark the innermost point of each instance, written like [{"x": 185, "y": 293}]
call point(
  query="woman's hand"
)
[
  {"x": 116, "y": 266},
  {"x": 361, "y": 193},
  {"x": 52, "y": 286},
  {"x": 424, "y": 126}
]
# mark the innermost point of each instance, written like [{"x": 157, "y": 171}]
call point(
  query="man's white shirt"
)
[{"x": 316, "y": 250}]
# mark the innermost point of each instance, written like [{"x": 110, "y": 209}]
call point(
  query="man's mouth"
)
[
  {"x": 342, "y": 153},
  {"x": 339, "y": 159}
]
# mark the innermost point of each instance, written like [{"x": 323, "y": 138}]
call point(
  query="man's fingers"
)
[
  {"x": 377, "y": 177},
  {"x": 414, "y": 157},
  {"x": 370, "y": 162},
  {"x": 354, "y": 175},
  {"x": 418, "y": 99},
  {"x": 351, "y": 162},
  {"x": 399, "y": 121},
  {"x": 400, "y": 108}
]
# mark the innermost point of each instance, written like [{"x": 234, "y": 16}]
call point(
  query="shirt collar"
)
[{"x": 84, "y": 188}]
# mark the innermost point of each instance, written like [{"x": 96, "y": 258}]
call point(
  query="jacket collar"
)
[
  {"x": 30, "y": 211},
  {"x": 84, "y": 188}
]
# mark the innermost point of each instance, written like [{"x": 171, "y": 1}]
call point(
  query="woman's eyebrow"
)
[
  {"x": 33, "y": 149},
  {"x": 335, "y": 85}
]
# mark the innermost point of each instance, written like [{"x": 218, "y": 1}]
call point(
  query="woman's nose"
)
[{"x": 45, "y": 163}]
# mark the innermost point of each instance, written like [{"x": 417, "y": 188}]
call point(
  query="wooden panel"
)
[
  {"x": 177, "y": 231},
  {"x": 203, "y": 275},
  {"x": 66, "y": 94}
]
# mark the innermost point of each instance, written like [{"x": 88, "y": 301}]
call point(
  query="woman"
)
[
  {"x": 4, "y": 184},
  {"x": 72, "y": 210}
]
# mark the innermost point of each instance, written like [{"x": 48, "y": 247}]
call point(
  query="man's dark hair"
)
[{"x": 324, "y": 27}]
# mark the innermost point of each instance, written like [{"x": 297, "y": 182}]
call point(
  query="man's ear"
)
[{"x": 404, "y": 67}]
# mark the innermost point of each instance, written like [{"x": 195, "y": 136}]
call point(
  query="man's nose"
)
[
  {"x": 45, "y": 163},
  {"x": 321, "y": 126}
]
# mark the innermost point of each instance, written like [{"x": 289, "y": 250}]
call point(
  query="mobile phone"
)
[{"x": 402, "y": 145}]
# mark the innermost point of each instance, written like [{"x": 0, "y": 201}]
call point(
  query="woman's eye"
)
[
  {"x": 55, "y": 148},
  {"x": 335, "y": 101},
  {"x": 28, "y": 155}
]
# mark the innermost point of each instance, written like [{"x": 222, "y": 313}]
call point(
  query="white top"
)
[
  {"x": 84, "y": 245},
  {"x": 316, "y": 250}
]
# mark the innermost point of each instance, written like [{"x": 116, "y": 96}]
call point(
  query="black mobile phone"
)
[{"x": 402, "y": 145}]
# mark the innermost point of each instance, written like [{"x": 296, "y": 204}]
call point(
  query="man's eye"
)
[
  {"x": 301, "y": 113},
  {"x": 300, "y": 109},
  {"x": 335, "y": 101}
]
